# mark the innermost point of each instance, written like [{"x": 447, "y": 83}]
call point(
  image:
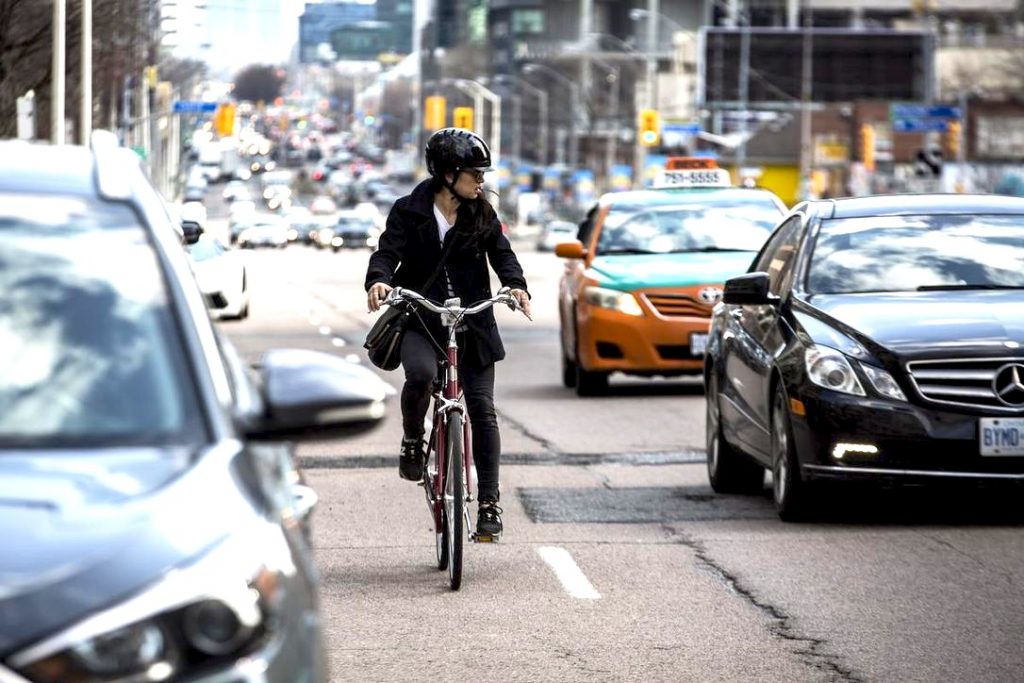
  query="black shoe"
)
[
  {"x": 410, "y": 462},
  {"x": 488, "y": 520}
]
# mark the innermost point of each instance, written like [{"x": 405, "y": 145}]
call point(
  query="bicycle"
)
[{"x": 447, "y": 478}]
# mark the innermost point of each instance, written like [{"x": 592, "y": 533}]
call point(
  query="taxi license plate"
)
[
  {"x": 1001, "y": 436},
  {"x": 698, "y": 343}
]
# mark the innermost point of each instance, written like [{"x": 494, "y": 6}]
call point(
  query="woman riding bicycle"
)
[{"x": 447, "y": 216}]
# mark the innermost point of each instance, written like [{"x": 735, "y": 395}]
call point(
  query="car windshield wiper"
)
[
  {"x": 708, "y": 250},
  {"x": 625, "y": 250},
  {"x": 952, "y": 287}
]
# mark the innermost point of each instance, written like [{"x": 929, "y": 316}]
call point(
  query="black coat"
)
[{"x": 409, "y": 251}]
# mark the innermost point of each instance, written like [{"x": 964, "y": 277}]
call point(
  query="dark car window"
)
[
  {"x": 587, "y": 226},
  {"x": 778, "y": 254},
  {"x": 907, "y": 253},
  {"x": 91, "y": 349}
]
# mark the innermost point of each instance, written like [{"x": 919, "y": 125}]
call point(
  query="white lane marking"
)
[
  {"x": 568, "y": 572},
  {"x": 325, "y": 330},
  {"x": 338, "y": 341}
]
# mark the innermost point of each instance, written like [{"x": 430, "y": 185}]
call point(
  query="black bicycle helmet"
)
[{"x": 451, "y": 150}]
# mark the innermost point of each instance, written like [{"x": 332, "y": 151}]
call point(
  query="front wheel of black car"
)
[
  {"x": 791, "y": 492},
  {"x": 728, "y": 470}
]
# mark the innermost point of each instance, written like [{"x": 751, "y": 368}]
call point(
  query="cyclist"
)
[{"x": 447, "y": 216}]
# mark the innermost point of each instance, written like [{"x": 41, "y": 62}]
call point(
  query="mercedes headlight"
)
[
  {"x": 830, "y": 369},
  {"x": 883, "y": 382},
  {"x": 623, "y": 302},
  {"x": 218, "y": 609}
]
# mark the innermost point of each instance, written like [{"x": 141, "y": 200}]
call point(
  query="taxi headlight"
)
[
  {"x": 883, "y": 382},
  {"x": 623, "y": 302},
  {"x": 830, "y": 369},
  {"x": 223, "y": 605}
]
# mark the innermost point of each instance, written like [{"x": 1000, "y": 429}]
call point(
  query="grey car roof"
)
[
  {"x": 910, "y": 204},
  {"x": 28, "y": 167}
]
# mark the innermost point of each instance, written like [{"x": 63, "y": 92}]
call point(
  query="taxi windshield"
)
[{"x": 690, "y": 227}]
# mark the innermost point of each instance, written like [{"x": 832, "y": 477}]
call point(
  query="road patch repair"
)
[{"x": 640, "y": 505}]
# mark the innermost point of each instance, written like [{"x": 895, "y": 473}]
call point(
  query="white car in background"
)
[{"x": 221, "y": 275}]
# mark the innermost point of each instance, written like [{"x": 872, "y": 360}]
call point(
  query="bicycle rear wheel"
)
[{"x": 454, "y": 498}]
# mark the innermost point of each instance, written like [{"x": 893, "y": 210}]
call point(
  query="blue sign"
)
[
  {"x": 584, "y": 185},
  {"x": 920, "y": 125},
  {"x": 194, "y": 107},
  {"x": 923, "y": 111},
  {"x": 922, "y": 118},
  {"x": 680, "y": 128}
]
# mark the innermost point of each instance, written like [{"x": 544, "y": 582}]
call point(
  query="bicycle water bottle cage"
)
[{"x": 449, "y": 319}]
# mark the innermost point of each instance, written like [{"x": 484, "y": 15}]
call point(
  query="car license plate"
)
[
  {"x": 698, "y": 343},
  {"x": 1001, "y": 436}
]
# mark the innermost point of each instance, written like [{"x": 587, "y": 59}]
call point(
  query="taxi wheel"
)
[
  {"x": 590, "y": 383},
  {"x": 728, "y": 470},
  {"x": 568, "y": 371}
]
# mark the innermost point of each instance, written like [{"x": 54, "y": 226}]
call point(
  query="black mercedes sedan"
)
[
  {"x": 875, "y": 338},
  {"x": 154, "y": 524}
]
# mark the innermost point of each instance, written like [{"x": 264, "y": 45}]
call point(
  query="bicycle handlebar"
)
[{"x": 503, "y": 296}]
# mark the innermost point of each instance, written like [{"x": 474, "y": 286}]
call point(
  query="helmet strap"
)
[{"x": 450, "y": 186}]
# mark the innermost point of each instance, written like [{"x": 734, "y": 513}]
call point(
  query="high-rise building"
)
[{"x": 354, "y": 30}]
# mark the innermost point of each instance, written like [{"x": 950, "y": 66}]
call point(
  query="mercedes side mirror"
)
[{"x": 750, "y": 289}]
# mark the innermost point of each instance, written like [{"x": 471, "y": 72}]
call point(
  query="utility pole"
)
[
  {"x": 57, "y": 77},
  {"x": 586, "y": 20},
  {"x": 85, "y": 128},
  {"x": 805, "y": 107},
  {"x": 744, "y": 86}
]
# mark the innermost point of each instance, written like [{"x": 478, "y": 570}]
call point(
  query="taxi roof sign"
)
[
  {"x": 690, "y": 163},
  {"x": 690, "y": 172}
]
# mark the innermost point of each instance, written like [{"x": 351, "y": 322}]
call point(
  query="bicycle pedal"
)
[{"x": 485, "y": 538}]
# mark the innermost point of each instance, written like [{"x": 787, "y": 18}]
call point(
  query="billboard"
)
[{"x": 846, "y": 65}]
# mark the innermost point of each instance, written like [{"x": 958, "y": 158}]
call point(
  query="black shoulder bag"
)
[{"x": 384, "y": 340}]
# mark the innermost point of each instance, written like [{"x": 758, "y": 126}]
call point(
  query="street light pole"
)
[
  {"x": 574, "y": 93},
  {"x": 85, "y": 128},
  {"x": 57, "y": 77},
  {"x": 542, "y": 111}
]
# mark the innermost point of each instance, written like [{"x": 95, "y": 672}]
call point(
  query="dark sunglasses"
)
[{"x": 476, "y": 175}]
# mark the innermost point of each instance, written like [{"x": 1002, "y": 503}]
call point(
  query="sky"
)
[{"x": 246, "y": 31}]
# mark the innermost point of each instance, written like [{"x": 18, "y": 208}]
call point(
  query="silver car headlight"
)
[
  {"x": 623, "y": 302},
  {"x": 219, "y": 608},
  {"x": 830, "y": 369},
  {"x": 883, "y": 382}
]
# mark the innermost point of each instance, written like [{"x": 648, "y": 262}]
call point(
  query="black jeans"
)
[{"x": 419, "y": 359}]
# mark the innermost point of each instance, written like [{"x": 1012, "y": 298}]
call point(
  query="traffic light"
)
[
  {"x": 224, "y": 120},
  {"x": 434, "y": 112},
  {"x": 649, "y": 127},
  {"x": 954, "y": 135},
  {"x": 867, "y": 146},
  {"x": 462, "y": 117}
]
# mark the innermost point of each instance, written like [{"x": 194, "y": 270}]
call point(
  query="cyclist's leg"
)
[
  {"x": 419, "y": 361},
  {"x": 478, "y": 388}
]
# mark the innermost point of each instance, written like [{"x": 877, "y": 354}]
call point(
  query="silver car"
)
[{"x": 154, "y": 524}]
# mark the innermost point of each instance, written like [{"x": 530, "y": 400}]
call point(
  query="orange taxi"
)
[{"x": 648, "y": 266}]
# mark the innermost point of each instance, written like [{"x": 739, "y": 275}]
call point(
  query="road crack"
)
[
  {"x": 963, "y": 553},
  {"x": 547, "y": 446},
  {"x": 811, "y": 651}
]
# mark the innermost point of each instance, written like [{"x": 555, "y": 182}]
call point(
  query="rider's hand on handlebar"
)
[
  {"x": 523, "y": 299},
  {"x": 376, "y": 296}
]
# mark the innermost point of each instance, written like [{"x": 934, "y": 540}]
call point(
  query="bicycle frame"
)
[{"x": 448, "y": 398}]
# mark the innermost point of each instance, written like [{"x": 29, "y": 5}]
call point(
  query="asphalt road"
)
[{"x": 618, "y": 562}]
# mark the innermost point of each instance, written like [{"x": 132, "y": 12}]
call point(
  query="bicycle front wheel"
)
[{"x": 454, "y": 498}]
